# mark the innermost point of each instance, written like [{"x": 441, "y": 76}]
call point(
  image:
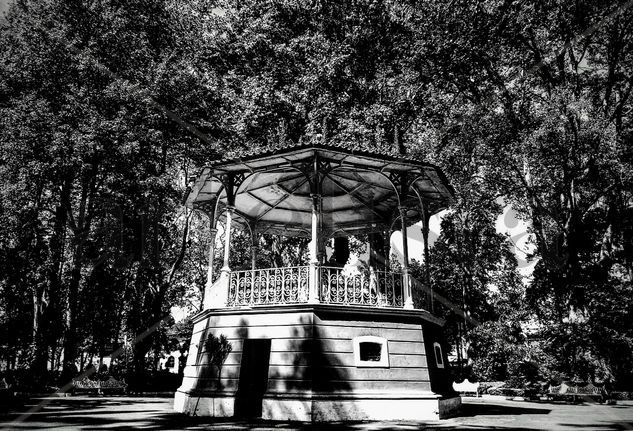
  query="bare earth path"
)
[{"x": 109, "y": 413}]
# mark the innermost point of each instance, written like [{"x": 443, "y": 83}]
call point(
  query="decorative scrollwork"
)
[
  {"x": 268, "y": 286},
  {"x": 338, "y": 286},
  {"x": 376, "y": 288}
]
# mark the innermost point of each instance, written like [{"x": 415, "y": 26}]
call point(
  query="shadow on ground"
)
[
  {"x": 499, "y": 409},
  {"x": 93, "y": 413}
]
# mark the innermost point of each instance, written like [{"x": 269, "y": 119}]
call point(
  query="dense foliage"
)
[{"x": 107, "y": 107}]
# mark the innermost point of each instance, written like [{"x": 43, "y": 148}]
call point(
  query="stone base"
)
[
  {"x": 323, "y": 408},
  {"x": 303, "y": 363}
]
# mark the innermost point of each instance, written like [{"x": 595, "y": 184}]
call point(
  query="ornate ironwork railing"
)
[
  {"x": 361, "y": 287},
  {"x": 269, "y": 286},
  {"x": 339, "y": 286}
]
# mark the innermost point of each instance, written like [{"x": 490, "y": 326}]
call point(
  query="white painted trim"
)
[
  {"x": 384, "y": 351},
  {"x": 438, "y": 361},
  {"x": 347, "y": 310}
]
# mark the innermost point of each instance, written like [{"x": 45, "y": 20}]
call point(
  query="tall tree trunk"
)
[
  {"x": 40, "y": 301},
  {"x": 70, "y": 343},
  {"x": 38, "y": 366},
  {"x": 81, "y": 229},
  {"x": 46, "y": 294}
]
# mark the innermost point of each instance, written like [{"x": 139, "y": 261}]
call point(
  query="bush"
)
[
  {"x": 522, "y": 373},
  {"x": 506, "y": 392},
  {"x": 485, "y": 387},
  {"x": 159, "y": 381},
  {"x": 621, "y": 395},
  {"x": 495, "y": 348},
  {"x": 24, "y": 380}
]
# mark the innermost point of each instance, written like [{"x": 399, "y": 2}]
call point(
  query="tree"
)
[
  {"x": 536, "y": 96},
  {"x": 106, "y": 109},
  {"x": 89, "y": 163}
]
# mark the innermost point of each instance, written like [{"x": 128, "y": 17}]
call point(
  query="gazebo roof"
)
[{"x": 360, "y": 191}]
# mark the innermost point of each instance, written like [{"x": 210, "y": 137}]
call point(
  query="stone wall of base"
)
[{"x": 305, "y": 362}]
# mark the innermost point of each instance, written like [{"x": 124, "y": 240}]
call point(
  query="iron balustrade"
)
[
  {"x": 269, "y": 286},
  {"x": 339, "y": 286},
  {"x": 361, "y": 287}
]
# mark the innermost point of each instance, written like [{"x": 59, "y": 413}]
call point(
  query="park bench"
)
[
  {"x": 466, "y": 388},
  {"x": 98, "y": 387},
  {"x": 575, "y": 393}
]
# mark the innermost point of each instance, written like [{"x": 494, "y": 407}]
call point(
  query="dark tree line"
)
[{"x": 107, "y": 107}]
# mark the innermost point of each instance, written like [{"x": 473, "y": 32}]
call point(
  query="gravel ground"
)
[{"x": 104, "y": 413}]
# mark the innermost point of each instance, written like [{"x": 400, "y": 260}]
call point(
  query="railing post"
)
[
  {"x": 373, "y": 285},
  {"x": 393, "y": 288},
  {"x": 252, "y": 286},
  {"x": 387, "y": 249}
]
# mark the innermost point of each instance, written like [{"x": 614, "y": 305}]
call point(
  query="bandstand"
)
[{"x": 322, "y": 341}]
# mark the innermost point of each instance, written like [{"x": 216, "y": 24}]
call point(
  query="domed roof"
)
[{"x": 359, "y": 192}]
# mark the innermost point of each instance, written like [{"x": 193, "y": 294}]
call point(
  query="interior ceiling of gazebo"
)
[{"x": 360, "y": 192}]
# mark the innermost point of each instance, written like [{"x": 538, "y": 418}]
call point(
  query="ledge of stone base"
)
[
  {"x": 333, "y": 410},
  {"x": 309, "y": 395},
  {"x": 333, "y": 309},
  {"x": 358, "y": 395},
  {"x": 421, "y": 408}
]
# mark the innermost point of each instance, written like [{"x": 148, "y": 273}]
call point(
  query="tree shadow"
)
[
  {"x": 311, "y": 371},
  {"x": 602, "y": 425},
  {"x": 66, "y": 403},
  {"x": 78, "y": 413},
  {"x": 150, "y": 414},
  {"x": 470, "y": 410},
  {"x": 208, "y": 375}
]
